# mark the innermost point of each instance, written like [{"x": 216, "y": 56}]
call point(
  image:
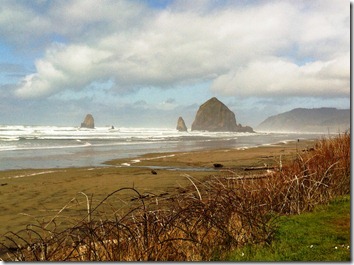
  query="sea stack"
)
[
  {"x": 215, "y": 116},
  {"x": 181, "y": 126},
  {"x": 88, "y": 122}
]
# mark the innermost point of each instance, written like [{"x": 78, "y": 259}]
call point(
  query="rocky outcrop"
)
[
  {"x": 215, "y": 116},
  {"x": 241, "y": 128},
  {"x": 181, "y": 126},
  {"x": 88, "y": 122}
]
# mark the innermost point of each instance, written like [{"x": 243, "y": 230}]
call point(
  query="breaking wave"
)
[{"x": 52, "y": 146}]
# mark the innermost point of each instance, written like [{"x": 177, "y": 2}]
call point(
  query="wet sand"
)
[{"x": 37, "y": 195}]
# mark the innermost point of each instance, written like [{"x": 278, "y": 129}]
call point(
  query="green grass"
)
[{"x": 322, "y": 235}]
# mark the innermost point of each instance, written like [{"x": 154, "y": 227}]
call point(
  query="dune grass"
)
[{"x": 206, "y": 220}]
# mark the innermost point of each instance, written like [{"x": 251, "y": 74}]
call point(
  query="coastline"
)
[{"x": 36, "y": 195}]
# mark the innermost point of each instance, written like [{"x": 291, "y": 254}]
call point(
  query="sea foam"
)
[{"x": 56, "y": 147}]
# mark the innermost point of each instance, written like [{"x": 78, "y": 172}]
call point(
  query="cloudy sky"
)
[{"x": 144, "y": 63}]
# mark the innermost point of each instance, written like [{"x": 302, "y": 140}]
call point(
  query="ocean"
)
[{"x": 41, "y": 147}]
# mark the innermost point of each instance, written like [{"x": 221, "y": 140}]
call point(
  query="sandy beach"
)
[{"x": 35, "y": 196}]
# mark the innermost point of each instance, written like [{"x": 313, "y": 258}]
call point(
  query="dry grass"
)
[{"x": 202, "y": 222}]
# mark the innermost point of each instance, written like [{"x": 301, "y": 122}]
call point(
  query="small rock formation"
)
[
  {"x": 88, "y": 122},
  {"x": 181, "y": 126},
  {"x": 215, "y": 116},
  {"x": 244, "y": 128}
]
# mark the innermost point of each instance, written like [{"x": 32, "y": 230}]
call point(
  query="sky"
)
[{"x": 144, "y": 63}]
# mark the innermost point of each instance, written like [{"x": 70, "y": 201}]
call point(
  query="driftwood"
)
[
  {"x": 250, "y": 177},
  {"x": 257, "y": 168}
]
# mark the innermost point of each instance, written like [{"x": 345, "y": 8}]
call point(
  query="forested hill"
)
[{"x": 324, "y": 120}]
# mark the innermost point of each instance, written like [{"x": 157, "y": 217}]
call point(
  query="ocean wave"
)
[
  {"x": 54, "y": 132},
  {"x": 142, "y": 135},
  {"x": 22, "y": 137},
  {"x": 42, "y": 147},
  {"x": 9, "y": 138},
  {"x": 32, "y": 174},
  {"x": 51, "y": 146}
]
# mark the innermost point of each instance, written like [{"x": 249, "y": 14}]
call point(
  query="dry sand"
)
[{"x": 36, "y": 195}]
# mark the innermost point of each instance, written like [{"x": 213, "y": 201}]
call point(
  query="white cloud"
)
[
  {"x": 279, "y": 77},
  {"x": 20, "y": 24},
  {"x": 256, "y": 49},
  {"x": 90, "y": 19},
  {"x": 72, "y": 67}
]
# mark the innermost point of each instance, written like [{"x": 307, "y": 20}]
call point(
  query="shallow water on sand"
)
[{"x": 58, "y": 147}]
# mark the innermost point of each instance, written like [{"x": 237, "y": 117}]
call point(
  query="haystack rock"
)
[
  {"x": 215, "y": 116},
  {"x": 181, "y": 126},
  {"x": 88, "y": 122}
]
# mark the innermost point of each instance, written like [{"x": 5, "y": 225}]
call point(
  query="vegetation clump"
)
[{"x": 202, "y": 222}]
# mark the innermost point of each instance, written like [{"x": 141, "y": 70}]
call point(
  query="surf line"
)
[
  {"x": 33, "y": 174},
  {"x": 134, "y": 161}
]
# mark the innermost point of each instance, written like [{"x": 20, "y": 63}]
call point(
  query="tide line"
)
[{"x": 32, "y": 174}]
